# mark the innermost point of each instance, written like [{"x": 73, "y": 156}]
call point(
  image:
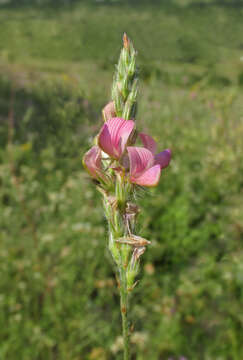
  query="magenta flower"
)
[
  {"x": 143, "y": 171},
  {"x": 114, "y": 135},
  {"x": 163, "y": 158},
  {"x": 92, "y": 163},
  {"x": 145, "y": 165}
]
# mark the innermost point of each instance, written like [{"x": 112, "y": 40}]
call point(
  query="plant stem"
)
[
  {"x": 120, "y": 256},
  {"x": 124, "y": 311}
]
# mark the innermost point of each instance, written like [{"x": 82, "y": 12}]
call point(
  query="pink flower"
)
[
  {"x": 145, "y": 165},
  {"x": 142, "y": 169},
  {"x": 163, "y": 158},
  {"x": 92, "y": 163},
  {"x": 114, "y": 135}
]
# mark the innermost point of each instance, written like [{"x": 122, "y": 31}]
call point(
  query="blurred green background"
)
[{"x": 58, "y": 296}]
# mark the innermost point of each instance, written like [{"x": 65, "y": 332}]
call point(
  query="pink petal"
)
[
  {"x": 163, "y": 158},
  {"x": 104, "y": 141},
  {"x": 92, "y": 162},
  {"x": 148, "y": 142},
  {"x": 114, "y": 136},
  {"x": 141, "y": 159},
  {"x": 149, "y": 178},
  {"x": 125, "y": 132}
]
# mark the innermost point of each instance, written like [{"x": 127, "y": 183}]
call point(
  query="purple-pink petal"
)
[
  {"x": 92, "y": 162},
  {"x": 148, "y": 142},
  {"x": 163, "y": 158},
  {"x": 114, "y": 136},
  {"x": 140, "y": 159},
  {"x": 149, "y": 178},
  {"x": 124, "y": 133},
  {"x": 104, "y": 141}
]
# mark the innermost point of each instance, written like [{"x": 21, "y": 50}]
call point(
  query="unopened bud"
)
[
  {"x": 126, "y": 41},
  {"x": 109, "y": 111},
  {"x": 133, "y": 267}
]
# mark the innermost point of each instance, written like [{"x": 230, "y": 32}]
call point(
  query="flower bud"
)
[
  {"x": 133, "y": 268},
  {"x": 126, "y": 41},
  {"x": 109, "y": 111}
]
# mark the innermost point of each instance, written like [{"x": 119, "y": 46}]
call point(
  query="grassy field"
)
[{"x": 58, "y": 296}]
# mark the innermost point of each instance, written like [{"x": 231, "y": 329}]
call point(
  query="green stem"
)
[
  {"x": 124, "y": 311},
  {"x": 120, "y": 252}
]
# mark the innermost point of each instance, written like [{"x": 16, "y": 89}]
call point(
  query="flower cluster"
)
[{"x": 115, "y": 153}]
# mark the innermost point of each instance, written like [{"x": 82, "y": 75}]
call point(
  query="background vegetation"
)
[{"x": 58, "y": 297}]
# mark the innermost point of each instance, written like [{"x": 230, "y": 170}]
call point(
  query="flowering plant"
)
[{"x": 120, "y": 168}]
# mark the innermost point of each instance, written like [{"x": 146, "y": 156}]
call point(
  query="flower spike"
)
[{"x": 118, "y": 165}]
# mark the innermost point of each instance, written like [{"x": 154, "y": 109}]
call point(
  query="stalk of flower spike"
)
[
  {"x": 124, "y": 96},
  {"x": 119, "y": 168},
  {"x": 115, "y": 209},
  {"x": 125, "y": 83}
]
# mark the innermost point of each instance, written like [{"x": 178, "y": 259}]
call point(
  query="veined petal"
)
[
  {"x": 92, "y": 162},
  {"x": 148, "y": 142},
  {"x": 163, "y": 158},
  {"x": 149, "y": 178},
  {"x": 125, "y": 132},
  {"x": 114, "y": 136},
  {"x": 141, "y": 159},
  {"x": 104, "y": 141}
]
